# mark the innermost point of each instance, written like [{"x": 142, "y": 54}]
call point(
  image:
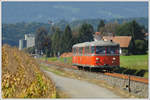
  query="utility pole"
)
[{"x": 129, "y": 84}]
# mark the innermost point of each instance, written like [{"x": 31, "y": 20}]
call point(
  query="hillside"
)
[
  {"x": 11, "y": 33},
  {"x": 22, "y": 78},
  {"x": 44, "y": 11}
]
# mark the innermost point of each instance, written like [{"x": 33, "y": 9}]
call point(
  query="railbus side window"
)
[
  {"x": 77, "y": 51},
  {"x": 100, "y": 50},
  {"x": 74, "y": 51},
  {"x": 92, "y": 49},
  {"x": 89, "y": 51},
  {"x": 81, "y": 51},
  {"x": 86, "y": 50}
]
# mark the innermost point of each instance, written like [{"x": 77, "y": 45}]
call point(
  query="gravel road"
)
[{"x": 80, "y": 89}]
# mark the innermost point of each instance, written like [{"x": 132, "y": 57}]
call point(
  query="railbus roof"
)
[{"x": 96, "y": 43}]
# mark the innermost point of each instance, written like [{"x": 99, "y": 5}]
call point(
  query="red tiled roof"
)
[
  {"x": 98, "y": 33},
  {"x": 124, "y": 41},
  {"x": 67, "y": 54}
]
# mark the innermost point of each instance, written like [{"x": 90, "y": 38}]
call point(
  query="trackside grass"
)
[
  {"x": 134, "y": 64},
  {"x": 61, "y": 59}
]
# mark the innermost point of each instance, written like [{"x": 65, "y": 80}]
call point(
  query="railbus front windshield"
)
[
  {"x": 112, "y": 50},
  {"x": 100, "y": 50},
  {"x": 107, "y": 50}
]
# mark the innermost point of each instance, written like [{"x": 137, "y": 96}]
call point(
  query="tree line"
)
[
  {"x": 138, "y": 44},
  {"x": 11, "y": 33},
  {"x": 56, "y": 41}
]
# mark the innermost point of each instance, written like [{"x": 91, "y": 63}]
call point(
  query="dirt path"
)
[{"x": 80, "y": 89}]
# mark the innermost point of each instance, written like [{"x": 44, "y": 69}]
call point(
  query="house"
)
[
  {"x": 124, "y": 42},
  {"x": 29, "y": 41},
  {"x": 30, "y": 38},
  {"x": 22, "y": 44}
]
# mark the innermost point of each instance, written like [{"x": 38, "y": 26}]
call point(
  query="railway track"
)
[{"x": 122, "y": 76}]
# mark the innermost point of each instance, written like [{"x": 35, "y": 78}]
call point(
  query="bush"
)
[
  {"x": 125, "y": 52},
  {"x": 140, "y": 47},
  {"x": 30, "y": 50}
]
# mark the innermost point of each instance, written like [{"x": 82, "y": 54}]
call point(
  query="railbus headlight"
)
[
  {"x": 97, "y": 58},
  {"x": 114, "y": 58}
]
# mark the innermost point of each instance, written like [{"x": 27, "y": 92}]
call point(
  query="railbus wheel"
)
[{"x": 80, "y": 67}]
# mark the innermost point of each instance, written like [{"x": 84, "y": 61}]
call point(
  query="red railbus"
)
[{"x": 97, "y": 54}]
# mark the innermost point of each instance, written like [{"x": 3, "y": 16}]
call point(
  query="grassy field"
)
[
  {"x": 134, "y": 65},
  {"x": 134, "y": 62}
]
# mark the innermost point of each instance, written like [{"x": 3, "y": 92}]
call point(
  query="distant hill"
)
[
  {"x": 11, "y": 33},
  {"x": 94, "y": 22},
  {"x": 13, "y": 12}
]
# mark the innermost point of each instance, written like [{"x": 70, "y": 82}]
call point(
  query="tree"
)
[
  {"x": 86, "y": 32},
  {"x": 66, "y": 39},
  {"x": 124, "y": 30},
  {"x": 136, "y": 31},
  {"x": 110, "y": 28},
  {"x": 30, "y": 50},
  {"x": 47, "y": 45},
  {"x": 56, "y": 41},
  {"x": 100, "y": 25},
  {"x": 105, "y": 29},
  {"x": 41, "y": 39},
  {"x": 140, "y": 47},
  {"x": 131, "y": 29}
]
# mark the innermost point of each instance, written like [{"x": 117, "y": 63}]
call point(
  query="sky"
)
[{"x": 43, "y": 11}]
